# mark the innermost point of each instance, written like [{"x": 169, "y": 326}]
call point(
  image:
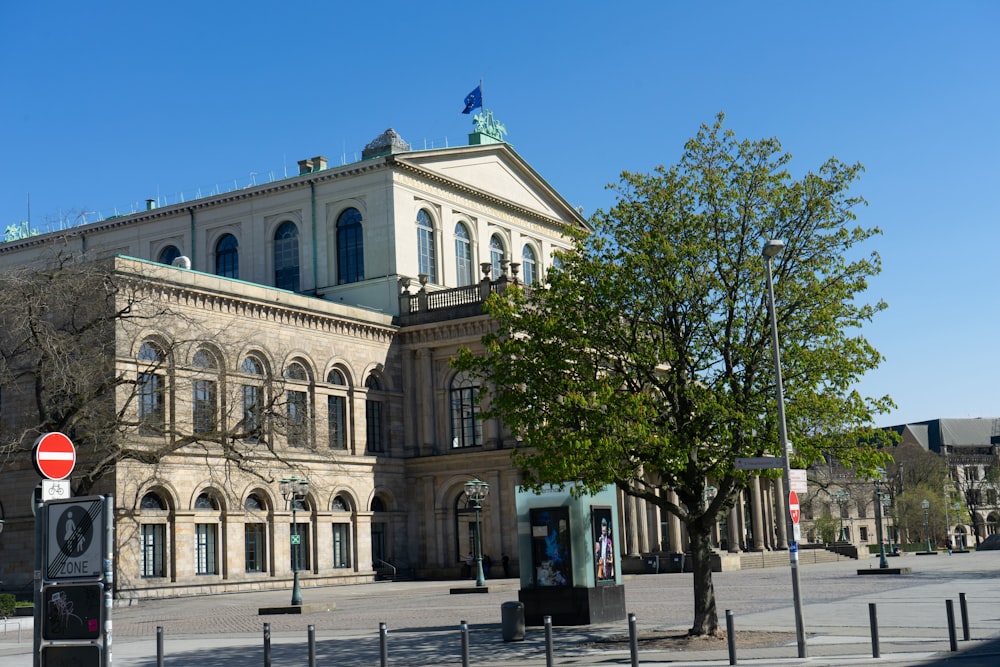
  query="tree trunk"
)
[{"x": 706, "y": 617}]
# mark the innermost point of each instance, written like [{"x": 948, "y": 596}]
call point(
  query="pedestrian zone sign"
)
[{"x": 75, "y": 538}]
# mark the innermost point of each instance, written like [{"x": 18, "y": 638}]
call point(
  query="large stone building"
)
[
  {"x": 338, "y": 297},
  {"x": 353, "y": 286}
]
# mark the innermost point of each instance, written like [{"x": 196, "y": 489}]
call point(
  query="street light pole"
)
[
  {"x": 839, "y": 497},
  {"x": 475, "y": 491},
  {"x": 882, "y": 562},
  {"x": 771, "y": 249},
  {"x": 294, "y": 490},
  {"x": 926, "y": 504}
]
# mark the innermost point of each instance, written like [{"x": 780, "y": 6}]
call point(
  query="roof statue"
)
[
  {"x": 488, "y": 125},
  {"x": 385, "y": 144}
]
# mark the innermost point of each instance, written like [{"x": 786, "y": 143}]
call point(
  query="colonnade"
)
[{"x": 754, "y": 523}]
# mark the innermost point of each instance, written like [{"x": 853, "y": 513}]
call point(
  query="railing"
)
[{"x": 383, "y": 569}]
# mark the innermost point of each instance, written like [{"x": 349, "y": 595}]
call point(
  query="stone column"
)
[
  {"x": 674, "y": 529},
  {"x": 781, "y": 517},
  {"x": 734, "y": 524},
  {"x": 757, "y": 516}
]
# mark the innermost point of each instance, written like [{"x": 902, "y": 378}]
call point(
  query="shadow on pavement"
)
[
  {"x": 986, "y": 654},
  {"x": 409, "y": 647}
]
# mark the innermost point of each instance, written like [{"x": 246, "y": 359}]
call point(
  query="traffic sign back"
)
[{"x": 54, "y": 456}]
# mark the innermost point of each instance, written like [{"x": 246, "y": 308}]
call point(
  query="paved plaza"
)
[{"x": 423, "y": 621}]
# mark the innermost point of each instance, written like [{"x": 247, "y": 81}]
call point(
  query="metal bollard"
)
[
  {"x": 964, "y": 608},
  {"x": 549, "y": 658},
  {"x": 873, "y": 621},
  {"x": 159, "y": 646},
  {"x": 633, "y": 640},
  {"x": 950, "y": 608},
  {"x": 731, "y": 636},
  {"x": 383, "y": 632},
  {"x": 312, "y": 645},
  {"x": 267, "y": 645},
  {"x": 464, "y": 627}
]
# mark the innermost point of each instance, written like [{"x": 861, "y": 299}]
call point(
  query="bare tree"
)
[{"x": 68, "y": 363}]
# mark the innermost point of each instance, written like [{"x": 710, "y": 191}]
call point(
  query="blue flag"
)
[{"x": 474, "y": 100}]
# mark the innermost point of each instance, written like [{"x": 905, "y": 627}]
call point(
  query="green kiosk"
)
[{"x": 568, "y": 549}]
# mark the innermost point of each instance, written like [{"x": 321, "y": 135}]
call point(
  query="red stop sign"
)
[
  {"x": 793, "y": 506},
  {"x": 55, "y": 456}
]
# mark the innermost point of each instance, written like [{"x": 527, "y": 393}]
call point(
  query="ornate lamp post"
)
[
  {"x": 476, "y": 491},
  {"x": 926, "y": 504},
  {"x": 840, "y": 497},
  {"x": 771, "y": 250},
  {"x": 882, "y": 562},
  {"x": 886, "y": 503},
  {"x": 294, "y": 491}
]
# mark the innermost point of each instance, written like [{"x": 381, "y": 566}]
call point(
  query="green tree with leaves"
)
[{"x": 645, "y": 360}]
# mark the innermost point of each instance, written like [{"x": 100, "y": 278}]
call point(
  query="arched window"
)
[
  {"x": 205, "y": 393},
  {"x": 374, "y": 418},
  {"x": 286, "y": 257},
  {"x": 496, "y": 255},
  {"x": 297, "y": 399},
  {"x": 466, "y": 427},
  {"x": 227, "y": 257},
  {"x": 206, "y": 529},
  {"x": 426, "y": 258},
  {"x": 336, "y": 410},
  {"x": 342, "y": 530},
  {"x": 463, "y": 255},
  {"x": 251, "y": 424},
  {"x": 255, "y": 535},
  {"x": 350, "y": 247},
  {"x": 168, "y": 255},
  {"x": 153, "y": 510},
  {"x": 151, "y": 390},
  {"x": 529, "y": 265}
]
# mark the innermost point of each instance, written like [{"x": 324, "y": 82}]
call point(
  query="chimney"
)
[
  {"x": 150, "y": 204},
  {"x": 305, "y": 167},
  {"x": 319, "y": 163}
]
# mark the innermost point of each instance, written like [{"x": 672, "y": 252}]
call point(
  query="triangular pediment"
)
[{"x": 498, "y": 170}]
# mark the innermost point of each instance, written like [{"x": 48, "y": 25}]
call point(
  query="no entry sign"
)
[
  {"x": 54, "y": 456},
  {"x": 793, "y": 506}
]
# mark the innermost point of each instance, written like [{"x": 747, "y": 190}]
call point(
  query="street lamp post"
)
[
  {"x": 475, "y": 491},
  {"x": 840, "y": 497},
  {"x": 294, "y": 490},
  {"x": 882, "y": 562},
  {"x": 886, "y": 502},
  {"x": 926, "y": 504},
  {"x": 771, "y": 250}
]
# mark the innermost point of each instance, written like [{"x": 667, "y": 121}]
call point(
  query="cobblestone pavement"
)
[{"x": 423, "y": 621}]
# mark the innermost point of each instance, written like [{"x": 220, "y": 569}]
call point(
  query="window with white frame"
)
[
  {"x": 206, "y": 536},
  {"x": 463, "y": 255},
  {"x": 426, "y": 254},
  {"x": 529, "y": 265}
]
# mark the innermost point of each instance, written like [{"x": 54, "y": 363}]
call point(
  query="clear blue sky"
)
[{"x": 106, "y": 104}]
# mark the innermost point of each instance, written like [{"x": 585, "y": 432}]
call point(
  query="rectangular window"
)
[
  {"x": 373, "y": 414},
  {"x": 341, "y": 545},
  {"x": 255, "y": 547},
  {"x": 205, "y": 548},
  {"x": 466, "y": 427},
  {"x": 298, "y": 419},
  {"x": 153, "y": 542},
  {"x": 151, "y": 404},
  {"x": 205, "y": 410},
  {"x": 253, "y": 408},
  {"x": 336, "y": 407}
]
